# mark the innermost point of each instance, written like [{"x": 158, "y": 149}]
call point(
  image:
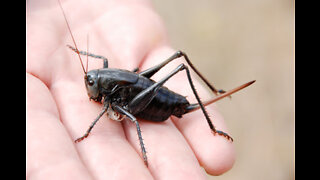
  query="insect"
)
[{"x": 132, "y": 94}]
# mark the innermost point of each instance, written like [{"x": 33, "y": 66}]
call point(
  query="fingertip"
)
[
  {"x": 219, "y": 157},
  {"x": 215, "y": 153}
]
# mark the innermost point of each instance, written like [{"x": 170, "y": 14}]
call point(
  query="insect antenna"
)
[
  {"x": 87, "y": 53},
  {"x": 74, "y": 42}
]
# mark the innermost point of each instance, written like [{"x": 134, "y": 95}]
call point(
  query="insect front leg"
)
[
  {"x": 105, "y": 60},
  {"x": 133, "y": 119}
]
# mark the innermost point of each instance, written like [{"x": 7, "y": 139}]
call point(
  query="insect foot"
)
[
  {"x": 221, "y": 133},
  {"x": 81, "y": 138}
]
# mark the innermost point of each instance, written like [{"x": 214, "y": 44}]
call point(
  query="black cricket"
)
[{"x": 133, "y": 94}]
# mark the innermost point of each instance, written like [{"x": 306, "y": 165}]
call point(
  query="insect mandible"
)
[{"x": 133, "y": 94}]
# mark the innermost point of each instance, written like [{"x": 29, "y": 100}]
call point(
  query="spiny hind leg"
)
[
  {"x": 151, "y": 71},
  {"x": 145, "y": 96},
  {"x": 212, "y": 127}
]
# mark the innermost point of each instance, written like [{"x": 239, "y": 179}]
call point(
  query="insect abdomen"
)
[{"x": 163, "y": 105}]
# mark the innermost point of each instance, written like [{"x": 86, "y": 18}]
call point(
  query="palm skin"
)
[{"x": 130, "y": 34}]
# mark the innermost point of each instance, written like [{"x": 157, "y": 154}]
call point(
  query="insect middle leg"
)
[{"x": 133, "y": 119}]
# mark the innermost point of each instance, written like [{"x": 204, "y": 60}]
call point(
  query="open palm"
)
[{"x": 130, "y": 34}]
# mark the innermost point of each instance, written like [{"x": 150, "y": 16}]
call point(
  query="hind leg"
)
[
  {"x": 151, "y": 71},
  {"x": 143, "y": 99}
]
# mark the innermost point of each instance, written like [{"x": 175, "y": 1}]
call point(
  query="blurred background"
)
[{"x": 232, "y": 42}]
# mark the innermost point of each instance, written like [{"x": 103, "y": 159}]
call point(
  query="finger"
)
[
  {"x": 215, "y": 153},
  {"x": 50, "y": 152},
  {"x": 129, "y": 31},
  {"x": 167, "y": 150},
  {"x": 169, "y": 155}
]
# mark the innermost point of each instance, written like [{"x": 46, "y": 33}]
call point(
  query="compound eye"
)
[{"x": 90, "y": 82}]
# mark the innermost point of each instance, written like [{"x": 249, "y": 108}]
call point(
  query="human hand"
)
[{"x": 130, "y": 34}]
